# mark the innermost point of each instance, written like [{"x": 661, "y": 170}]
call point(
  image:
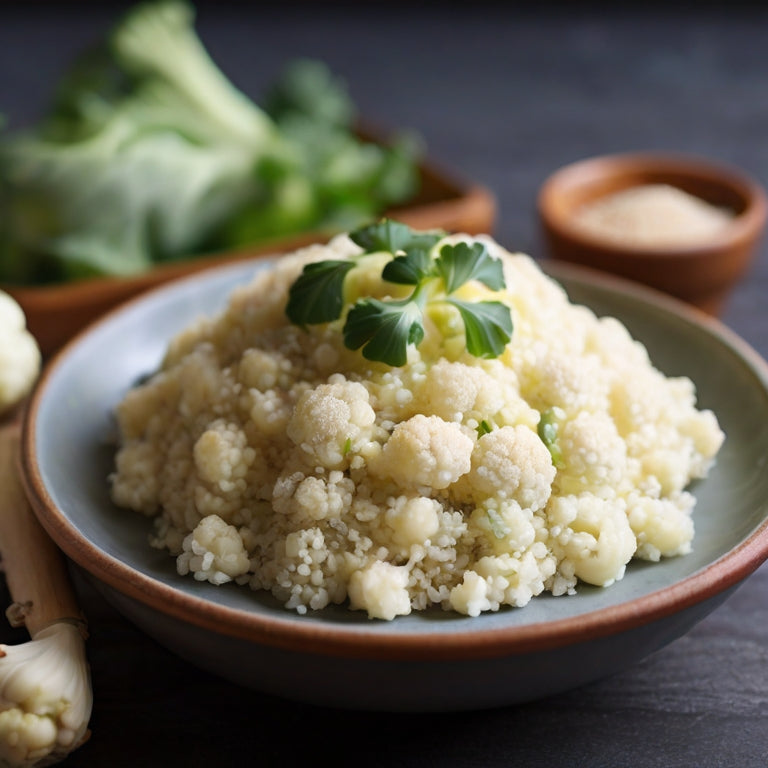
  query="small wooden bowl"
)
[{"x": 702, "y": 274}]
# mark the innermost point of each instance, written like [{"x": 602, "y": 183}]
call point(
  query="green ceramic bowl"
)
[{"x": 426, "y": 661}]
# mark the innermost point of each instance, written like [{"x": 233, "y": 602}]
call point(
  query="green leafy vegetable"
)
[
  {"x": 149, "y": 153},
  {"x": 384, "y": 329}
]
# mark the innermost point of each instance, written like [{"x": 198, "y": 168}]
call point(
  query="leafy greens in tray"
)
[{"x": 149, "y": 153}]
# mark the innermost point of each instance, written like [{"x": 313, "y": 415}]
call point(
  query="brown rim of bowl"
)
[
  {"x": 654, "y": 166},
  {"x": 365, "y": 642}
]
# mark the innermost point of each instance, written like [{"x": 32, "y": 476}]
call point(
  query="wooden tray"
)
[{"x": 55, "y": 313}]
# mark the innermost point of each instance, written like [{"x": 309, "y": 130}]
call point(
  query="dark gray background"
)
[{"x": 502, "y": 95}]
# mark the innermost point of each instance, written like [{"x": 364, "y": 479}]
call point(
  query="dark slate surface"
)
[{"x": 501, "y": 96}]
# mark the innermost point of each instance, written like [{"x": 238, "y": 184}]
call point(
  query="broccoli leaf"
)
[{"x": 309, "y": 88}]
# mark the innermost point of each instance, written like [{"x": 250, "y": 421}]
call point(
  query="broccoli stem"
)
[{"x": 158, "y": 40}]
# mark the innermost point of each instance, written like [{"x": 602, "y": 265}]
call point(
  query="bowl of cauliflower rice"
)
[{"x": 411, "y": 467}]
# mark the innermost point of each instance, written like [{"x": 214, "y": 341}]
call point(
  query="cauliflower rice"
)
[{"x": 274, "y": 457}]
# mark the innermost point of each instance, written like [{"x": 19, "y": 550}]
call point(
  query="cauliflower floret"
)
[
  {"x": 425, "y": 452},
  {"x": 505, "y": 525},
  {"x": 414, "y": 520},
  {"x": 316, "y": 498},
  {"x": 663, "y": 527},
  {"x": 222, "y": 455},
  {"x": 503, "y": 580},
  {"x": 511, "y": 463},
  {"x": 572, "y": 381},
  {"x": 594, "y": 457},
  {"x": 451, "y": 389},
  {"x": 471, "y": 596},
  {"x": 381, "y": 589},
  {"x": 135, "y": 484},
  {"x": 213, "y": 552},
  {"x": 594, "y": 535},
  {"x": 19, "y": 354},
  {"x": 332, "y": 421},
  {"x": 263, "y": 370},
  {"x": 45, "y": 695},
  {"x": 704, "y": 431},
  {"x": 461, "y": 392}
]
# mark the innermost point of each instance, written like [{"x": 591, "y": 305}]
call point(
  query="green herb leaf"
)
[
  {"x": 393, "y": 237},
  {"x": 460, "y": 263},
  {"x": 317, "y": 296},
  {"x": 487, "y": 325},
  {"x": 384, "y": 329},
  {"x": 410, "y": 269}
]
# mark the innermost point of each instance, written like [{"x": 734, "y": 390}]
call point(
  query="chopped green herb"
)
[
  {"x": 483, "y": 428},
  {"x": 548, "y": 429},
  {"x": 385, "y": 329},
  {"x": 347, "y": 446},
  {"x": 498, "y": 526}
]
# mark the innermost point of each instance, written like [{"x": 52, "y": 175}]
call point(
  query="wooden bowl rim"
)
[{"x": 743, "y": 230}]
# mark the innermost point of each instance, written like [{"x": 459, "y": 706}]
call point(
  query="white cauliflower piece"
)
[
  {"x": 471, "y": 596},
  {"x": 414, "y": 521},
  {"x": 594, "y": 535},
  {"x": 511, "y": 463},
  {"x": 503, "y": 580},
  {"x": 663, "y": 527},
  {"x": 332, "y": 421},
  {"x": 213, "y": 552},
  {"x": 505, "y": 525},
  {"x": 381, "y": 589},
  {"x": 222, "y": 455},
  {"x": 451, "y": 390},
  {"x": 569, "y": 380},
  {"x": 425, "y": 451},
  {"x": 316, "y": 498},
  {"x": 45, "y": 696},
  {"x": 594, "y": 456},
  {"x": 20, "y": 357}
]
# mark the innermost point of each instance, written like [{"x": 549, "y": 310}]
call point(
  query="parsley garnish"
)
[{"x": 385, "y": 328}]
